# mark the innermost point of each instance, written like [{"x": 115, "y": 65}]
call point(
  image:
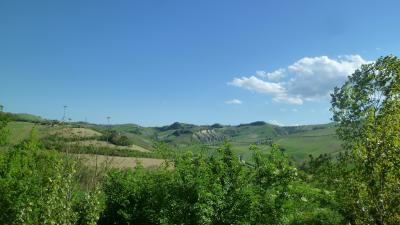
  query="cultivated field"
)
[{"x": 118, "y": 162}]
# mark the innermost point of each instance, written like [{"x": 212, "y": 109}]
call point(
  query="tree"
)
[
  {"x": 4, "y": 119},
  {"x": 39, "y": 186},
  {"x": 213, "y": 189},
  {"x": 272, "y": 176},
  {"x": 367, "y": 111},
  {"x": 115, "y": 138}
]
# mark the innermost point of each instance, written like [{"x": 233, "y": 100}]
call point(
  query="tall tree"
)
[{"x": 367, "y": 111}]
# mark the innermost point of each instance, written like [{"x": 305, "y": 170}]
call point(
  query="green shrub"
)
[
  {"x": 4, "y": 132},
  {"x": 216, "y": 189},
  {"x": 39, "y": 187}
]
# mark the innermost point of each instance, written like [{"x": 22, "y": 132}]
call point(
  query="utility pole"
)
[
  {"x": 108, "y": 127},
  {"x": 108, "y": 120},
  {"x": 109, "y": 135},
  {"x": 64, "y": 114}
]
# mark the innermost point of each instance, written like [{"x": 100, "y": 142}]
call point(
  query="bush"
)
[
  {"x": 216, "y": 189},
  {"x": 4, "y": 132},
  {"x": 116, "y": 139},
  {"x": 39, "y": 187}
]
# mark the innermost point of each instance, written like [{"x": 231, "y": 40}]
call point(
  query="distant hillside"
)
[
  {"x": 298, "y": 141},
  {"x": 26, "y": 117},
  {"x": 316, "y": 141}
]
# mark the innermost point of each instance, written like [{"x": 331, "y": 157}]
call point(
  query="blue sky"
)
[{"x": 155, "y": 62}]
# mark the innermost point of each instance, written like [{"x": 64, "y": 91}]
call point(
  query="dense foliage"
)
[
  {"x": 41, "y": 187},
  {"x": 367, "y": 109},
  {"x": 116, "y": 138},
  {"x": 4, "y": 119},
  {"x": 217, "y": 189}
]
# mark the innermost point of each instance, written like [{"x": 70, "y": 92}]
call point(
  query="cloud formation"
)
[
  {"x": 307, "y": 79},
  {"x": 233, "y": 102},
  {"x": 272, "y": 76},
  {"x": 257, "y": 85}
]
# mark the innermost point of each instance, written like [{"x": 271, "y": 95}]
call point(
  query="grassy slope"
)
[
  {"x": 19, "y": 131},
  {"x": 298, "y": 142},
  {"x": 315, "y": 142},
  {"x": 26, "y": 117},
  {"x": 140, "y": 136},
  {"x": 246, "y": 135}
]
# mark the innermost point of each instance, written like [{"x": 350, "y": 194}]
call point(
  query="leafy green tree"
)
[
  {"x": 226, "y": 194},
  {"x": 116, "y": 139},
  {"x": 215, "y": 189},
  {"x": 4, "y": 132},
  {"x": 311, "y": 205},
  {"x": 272, "y": 176},
  {"x": 367, "y": 111},
  {"x": 88, "y": 207},
  {"x": 40, "y": 187}
]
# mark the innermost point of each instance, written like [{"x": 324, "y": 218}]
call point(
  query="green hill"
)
[
  {"x": 315, "y": 142},
  {"x": 297, "y": 141}
]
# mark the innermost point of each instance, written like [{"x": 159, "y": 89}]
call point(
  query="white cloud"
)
[
  {"x": 233, "y": 102},
  {"x": 308, "y": 79},
  {"x": 315, "y": 77},
  {"x": 272, "y": 76},
  {"x": 257, "y": 85}
]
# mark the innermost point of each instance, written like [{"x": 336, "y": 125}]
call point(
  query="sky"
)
[{"x": 154, "y": 62}]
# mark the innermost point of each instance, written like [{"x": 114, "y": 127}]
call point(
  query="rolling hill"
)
[{"x": 297, "y": 141}]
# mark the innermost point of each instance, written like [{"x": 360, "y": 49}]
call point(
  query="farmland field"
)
[{"x": 118, "y": 162}]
